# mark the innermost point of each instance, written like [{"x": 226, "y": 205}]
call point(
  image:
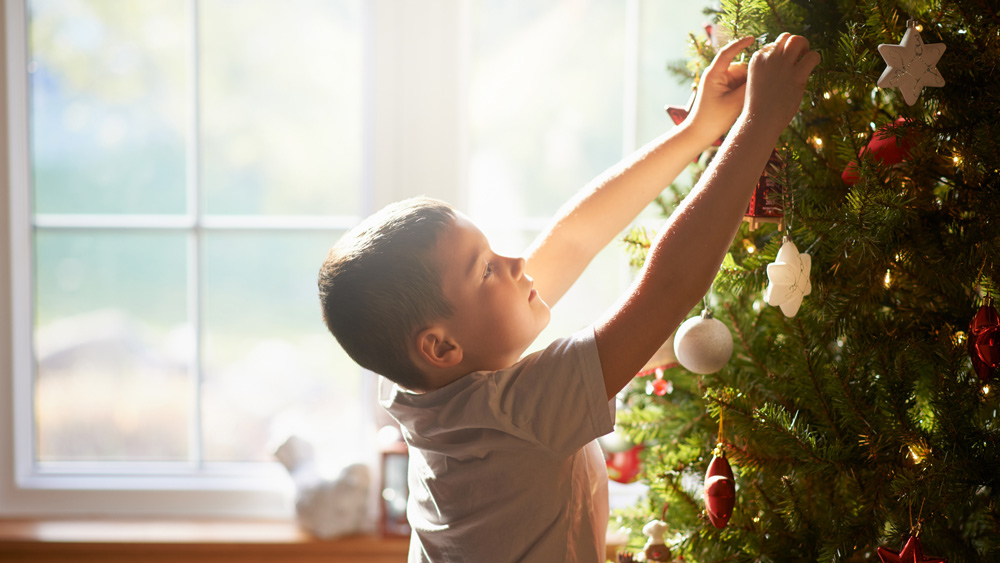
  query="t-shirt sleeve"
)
[{"x": 556, "y": 396}]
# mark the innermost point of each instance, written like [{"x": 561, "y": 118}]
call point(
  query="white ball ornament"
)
[{"x": 703, "y": 344}]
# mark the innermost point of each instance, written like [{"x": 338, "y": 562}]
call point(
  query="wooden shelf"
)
[{"x": 163, "y": 541}]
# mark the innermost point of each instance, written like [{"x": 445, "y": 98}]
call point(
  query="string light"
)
[
  {"x": 817, "y": 141},
  {"x": 986, "y": 389},
  {"x": 958, "y": 338},
  {"x": 887, "y": 280},
  {"x": 919, "y": 452},
  {"x": 826, "y": 95},
  {"x": 749, "y": 246}
]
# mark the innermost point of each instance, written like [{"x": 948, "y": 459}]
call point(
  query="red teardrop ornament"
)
[
  {"x": 984, "y": 340},
  {"x": 720, "y": 492}
]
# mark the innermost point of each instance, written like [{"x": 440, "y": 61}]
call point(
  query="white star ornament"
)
[
  {"x": 789, "y": 277},
  {"x": 911, "y": 65}
]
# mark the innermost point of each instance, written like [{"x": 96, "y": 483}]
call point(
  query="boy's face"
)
[{"x": 498, "y": 314}]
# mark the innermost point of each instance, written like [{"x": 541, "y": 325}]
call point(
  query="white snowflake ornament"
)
[
  {"x": 789, "y": 277},
  {"x": 911, "y": 65}
]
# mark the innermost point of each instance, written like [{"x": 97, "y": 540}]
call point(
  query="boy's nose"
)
[{"x": 517, "y": 268}]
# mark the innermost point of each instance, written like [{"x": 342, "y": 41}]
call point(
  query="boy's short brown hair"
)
[{"x": 379, "y": 286}]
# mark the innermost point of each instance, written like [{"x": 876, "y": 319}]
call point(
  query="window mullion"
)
[
  {"x": 195, "y": 242},
  {"x": 20, "y": 233},
  {"x": 416, "y": 101}
]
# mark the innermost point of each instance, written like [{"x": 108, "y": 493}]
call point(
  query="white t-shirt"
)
[{"x": 504, "y": 465}]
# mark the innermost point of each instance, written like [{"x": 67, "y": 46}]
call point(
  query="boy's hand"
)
[
  {"x": 777, "y": 79},
  {"x": 721, "y": 93}
]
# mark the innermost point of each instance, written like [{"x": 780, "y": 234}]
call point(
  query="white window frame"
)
[{"x": 412, "y": 144}]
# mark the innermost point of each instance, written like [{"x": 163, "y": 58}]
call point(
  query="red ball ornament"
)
[
  {"x": 984, "y": 340},
  {"x": 720, "y": 491},
  {"x": 883, "y": 147},
  {"x": 912, "y": 552},
  {"x": 624, "y": 467}
]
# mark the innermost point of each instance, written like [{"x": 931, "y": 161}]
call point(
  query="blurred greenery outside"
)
[{"x": 280, "y": 135}]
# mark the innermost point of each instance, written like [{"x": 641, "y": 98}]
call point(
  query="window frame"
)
[{"x": 401, "y": 105}]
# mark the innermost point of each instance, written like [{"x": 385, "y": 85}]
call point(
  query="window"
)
[{"x": 178, "y": 169}]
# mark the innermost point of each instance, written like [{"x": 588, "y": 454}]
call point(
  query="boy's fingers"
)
[
  {"x": 796, "y": 46},
  {"x": 781, "y": 40},
  {"x": 729, "y": 52},
  {"x": 738, "y": 71},
  {"x": 809, "y": 62}
]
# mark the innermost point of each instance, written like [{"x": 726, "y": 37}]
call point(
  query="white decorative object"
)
[
  {"x": 789, "y": 277},
  {"x": 326, "y": 507},
  {"x": 656, "y": 548},
  {"x": 911, "y": 65},
  {"x": 703, "y": 344}
]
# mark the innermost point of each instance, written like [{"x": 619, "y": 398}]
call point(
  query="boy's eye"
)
[{"x": 489, "y": 270}]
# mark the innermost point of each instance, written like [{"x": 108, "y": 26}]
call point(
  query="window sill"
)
[{"x": 162, "y": 541}]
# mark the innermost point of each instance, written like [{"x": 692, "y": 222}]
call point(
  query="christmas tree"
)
[{"x": 866, "y": 415}]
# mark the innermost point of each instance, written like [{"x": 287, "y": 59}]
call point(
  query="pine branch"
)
[{"x": 814, "y": 378}]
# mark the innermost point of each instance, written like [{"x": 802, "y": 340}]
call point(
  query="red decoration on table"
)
[
  {"x": 883, "y": 147},
  {"x": 912, "y": 552},
  {"x": 765, "y": 205},
  {"x": 720, "y": 490},
  {"x": 624, "y": 467},
  {"x": 984, "y": 340}
]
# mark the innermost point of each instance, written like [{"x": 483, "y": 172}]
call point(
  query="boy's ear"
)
[{"x": 437, "y": 349}]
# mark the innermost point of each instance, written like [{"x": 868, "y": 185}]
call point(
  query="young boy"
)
[{"x": 504, "y": 465}]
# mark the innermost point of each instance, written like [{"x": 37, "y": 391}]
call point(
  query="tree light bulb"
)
[
  {"x": 958, "y": 338},
  {"x": 918, "y": 453},
  {"x": 986, "y": 389},
  {"x": 887, "y": 280}
]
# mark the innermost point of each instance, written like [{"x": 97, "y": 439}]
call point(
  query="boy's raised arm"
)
[
  {"x": 690, "y": 247},
  {"x": 603, "y": 209}
]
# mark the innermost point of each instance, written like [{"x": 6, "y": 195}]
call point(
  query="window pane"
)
[
  {"x": 281, "y": 106},
  {"x": 664, "y": 39},
  {"x": 113, "y": 347},
  {"x": 546, "y": 101},
  {"x": 272, "y": 368},
  {"x": 108, "y": 110}
]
